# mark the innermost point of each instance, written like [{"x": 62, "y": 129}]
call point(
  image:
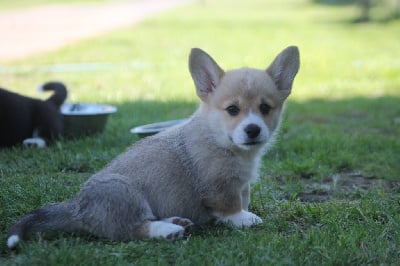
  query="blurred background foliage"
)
[{"x": 369, "y": 10}]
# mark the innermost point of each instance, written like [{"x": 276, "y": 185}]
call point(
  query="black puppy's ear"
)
[
  {"x": 284, "y": 68},
  {"x": 205, "y": 72}
]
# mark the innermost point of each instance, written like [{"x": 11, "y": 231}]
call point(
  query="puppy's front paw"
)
[{"x": 242, "y": 219}]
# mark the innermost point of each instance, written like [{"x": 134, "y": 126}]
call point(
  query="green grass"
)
[{"x": 329, "y": 189}]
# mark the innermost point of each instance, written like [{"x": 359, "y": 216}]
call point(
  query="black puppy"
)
[{"x": 23, "y": 118}]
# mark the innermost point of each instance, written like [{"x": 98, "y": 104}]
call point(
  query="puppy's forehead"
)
[{"x": 246, "y": 82}]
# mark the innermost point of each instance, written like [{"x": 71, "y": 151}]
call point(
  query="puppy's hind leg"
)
[{"x": 112, "y": 206}]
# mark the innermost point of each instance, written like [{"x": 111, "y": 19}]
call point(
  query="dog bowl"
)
[
  {"x": 151, "y": 129},
  {"x": 83, "y": 119}
]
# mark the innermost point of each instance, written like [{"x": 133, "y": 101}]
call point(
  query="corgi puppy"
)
[
  {"x": 189, "y": 174},
  {"x": 31, "y": 121}
]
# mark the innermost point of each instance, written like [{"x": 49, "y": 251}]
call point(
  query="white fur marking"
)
[
  {"x": 239, "y": 136},
  {"x": 40, "y": 88},
  {"x": 38, "y": 142},
  {"x": 12, "y": 241},
  {"x": 242, "y": 218},
  {"x": 246, "y": 81},
  {"x": 165, "y": 229}
]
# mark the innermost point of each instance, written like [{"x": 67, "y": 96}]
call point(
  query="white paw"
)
[
  {"x": 165, "y": 230},
  {"x": 242, "y": 219},
  {"x": 38, "y": 142},
  {"x": 12, "y": 241},
  {"x": 185, "y": 223}
]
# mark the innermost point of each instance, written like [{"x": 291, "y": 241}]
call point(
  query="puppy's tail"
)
[
  {"x": 55, "y": 217},
  {"x": 60, "y": 92}
]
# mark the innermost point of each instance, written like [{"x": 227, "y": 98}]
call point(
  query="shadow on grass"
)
[
  {"x": 387, "y": 11},
  {"x": 336, "y": 2},
  {"x": 337, "y": 148},
  {"x": 356, "y": 139},
  {"x": 319, "y": 138}
]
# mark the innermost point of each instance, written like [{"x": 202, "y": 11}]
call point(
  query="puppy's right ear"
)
[{"x": 205, "y": 72}]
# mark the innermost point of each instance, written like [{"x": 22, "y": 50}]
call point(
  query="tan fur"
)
[{"x": 195, "y": 172}]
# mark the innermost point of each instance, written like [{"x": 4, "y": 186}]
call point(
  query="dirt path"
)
[{"x": 38, "y": 30}]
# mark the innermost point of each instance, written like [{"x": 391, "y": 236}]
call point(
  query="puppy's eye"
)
[
  {"x": 233, "y": 110},
  {"x": 265, "y": 108}
]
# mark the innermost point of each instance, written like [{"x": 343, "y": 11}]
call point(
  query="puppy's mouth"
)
[
  {"x": 252, "y": 143},
  {"x": 249, "y": 143}
]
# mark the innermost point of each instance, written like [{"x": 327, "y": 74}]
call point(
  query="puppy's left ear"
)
[
  {"x": 206, "y": 73},
  {"x": 284, "y": 68}
]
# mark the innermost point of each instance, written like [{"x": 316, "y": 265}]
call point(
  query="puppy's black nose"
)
[{"x": 252, "y": 131}]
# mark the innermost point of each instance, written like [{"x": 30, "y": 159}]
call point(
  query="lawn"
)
[{"x": 329, "y": 189}]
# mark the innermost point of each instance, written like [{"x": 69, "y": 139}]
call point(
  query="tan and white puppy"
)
[{"x": 189, "y": 174}]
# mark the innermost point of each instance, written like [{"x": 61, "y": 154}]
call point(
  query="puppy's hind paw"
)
[
  {"x": 185, "y": 223},
  {"x": 165, "y": 230}
]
